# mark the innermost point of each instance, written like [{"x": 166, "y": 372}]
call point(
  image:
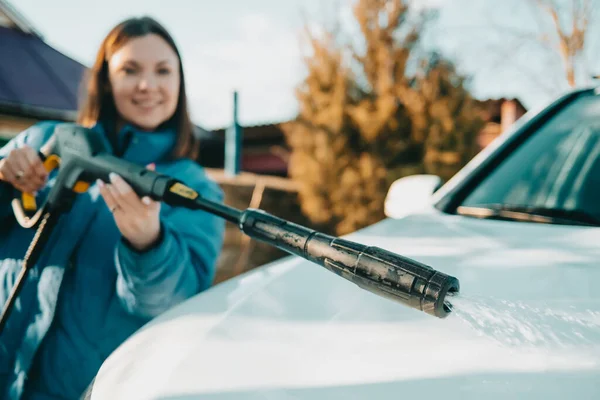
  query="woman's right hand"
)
[{"x": 24, "y": 169}]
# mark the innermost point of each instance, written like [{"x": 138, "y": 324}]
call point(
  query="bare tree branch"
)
[{"x": 569, "y": 26}]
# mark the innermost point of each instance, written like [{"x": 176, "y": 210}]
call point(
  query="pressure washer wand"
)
[
  {"x": 377, "y": 270},
  {"x": 84, "y": 156}
]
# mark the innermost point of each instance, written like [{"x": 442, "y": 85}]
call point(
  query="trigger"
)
[{"x": 50, "y": 163}]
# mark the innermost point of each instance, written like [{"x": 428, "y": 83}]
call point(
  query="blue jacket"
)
[{"x": 90, "y": 291}]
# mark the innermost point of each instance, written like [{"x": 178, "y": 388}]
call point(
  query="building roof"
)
[
  {"x": 258, "y": 143},
  {"x": 10, "y": 17},
  {"x": 35, "y": 79},
  {"x": 268, "y": 131}
]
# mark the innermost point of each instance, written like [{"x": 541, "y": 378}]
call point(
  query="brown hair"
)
[{"x": 99, "y": 104}]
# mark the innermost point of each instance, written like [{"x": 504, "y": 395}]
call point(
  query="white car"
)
[{"x": 519, "y": 227}]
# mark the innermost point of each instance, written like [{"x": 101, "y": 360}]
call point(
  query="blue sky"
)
[{"x": 253, "y": 46}]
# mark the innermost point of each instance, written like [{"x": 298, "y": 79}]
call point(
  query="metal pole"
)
[{"x": 233, "y": 143}]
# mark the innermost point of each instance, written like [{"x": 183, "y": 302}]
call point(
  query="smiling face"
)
[{"x": 144, "y": 80}]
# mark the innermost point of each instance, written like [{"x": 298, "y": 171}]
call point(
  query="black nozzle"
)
[
  {"x": 387, "y": 274},
  {"x": 374, "y": 269},
  {"x": 440, "y": 286}
]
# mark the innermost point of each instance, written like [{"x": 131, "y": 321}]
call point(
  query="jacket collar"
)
[{"x": 142, "y": 147}]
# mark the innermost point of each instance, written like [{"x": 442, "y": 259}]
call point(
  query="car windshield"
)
[{"x": 554, "y": 173}]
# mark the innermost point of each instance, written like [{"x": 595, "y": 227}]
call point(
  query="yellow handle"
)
[{"x": 50, "y": 163}]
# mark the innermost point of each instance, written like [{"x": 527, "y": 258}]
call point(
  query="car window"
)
[{"x": 557, "y": 167}]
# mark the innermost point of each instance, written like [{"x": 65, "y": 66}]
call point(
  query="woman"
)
[{"x": 118, "y": 260}]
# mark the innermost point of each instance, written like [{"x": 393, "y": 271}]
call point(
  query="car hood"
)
[{"x": 526, "y": 325}]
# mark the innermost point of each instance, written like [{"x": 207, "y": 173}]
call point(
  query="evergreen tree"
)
[
  {"x": 382, "y": 114},
  {"x": 364, "y": 121},
  {"x": 447, "y": 115},
  {"x": 321, "y": 134}
]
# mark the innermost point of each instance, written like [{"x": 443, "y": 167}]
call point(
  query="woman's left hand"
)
[{"x": 137, "y": 218}]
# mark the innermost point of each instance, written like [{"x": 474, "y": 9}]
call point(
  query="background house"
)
[
  {"x": 37, "y": 82},
  {"x": 499, "y": 115},
  {"x": 265, "y": 151}
]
